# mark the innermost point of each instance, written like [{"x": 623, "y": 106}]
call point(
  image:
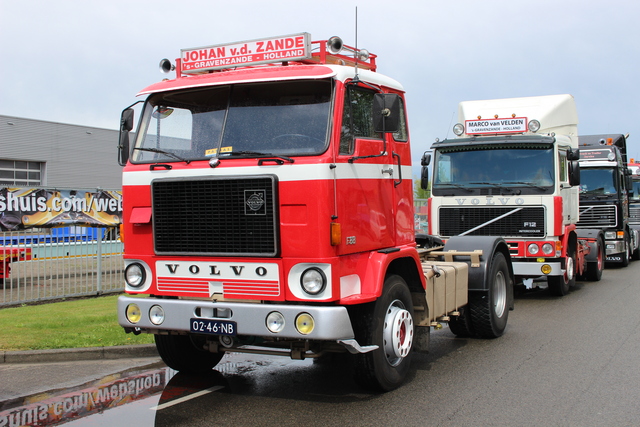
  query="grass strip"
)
[{"x": 87, "y": 322}]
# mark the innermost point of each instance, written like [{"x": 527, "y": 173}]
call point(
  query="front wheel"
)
[
  {"x": 559, "y": 285},
  {"x": 387, "y": 323},
  {"x": 184, "y": 353},
  {"x": 594, "y": 269},
  {"x": 489, "y": 310}
]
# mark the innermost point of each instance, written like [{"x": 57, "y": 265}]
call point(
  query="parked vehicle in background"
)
[
  {"x": 605, "y": 184},
  {"x": 634, "y": 202},
  {"x": 513, "y": 171}
]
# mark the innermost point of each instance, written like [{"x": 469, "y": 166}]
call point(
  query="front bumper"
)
[
  {"x": 532, "y": 269},
  {"x": 614, "y": 247},
  {"x": 331, "y": 323}
]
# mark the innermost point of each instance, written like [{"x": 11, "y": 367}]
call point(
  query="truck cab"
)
[
  {"x": 605, "y": 185},
  {"x": 512, "y": 171},
  {"x": 268, "y": 208}
]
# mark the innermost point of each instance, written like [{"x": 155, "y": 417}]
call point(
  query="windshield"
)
[
  {"x": 635, "y": 194},
  {"x": 502, "y": 169},
  {"x": 597, "y": 181},
  {"x": 280, "y": 118}
]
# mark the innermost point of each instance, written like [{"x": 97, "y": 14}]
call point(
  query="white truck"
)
[{"x": 513, "y": 171}]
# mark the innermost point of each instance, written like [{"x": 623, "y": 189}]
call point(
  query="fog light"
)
[
  {"x": 156, "y": 315},
  {"x": 275, "y": 322},
  {"x": 304, "y": 323},
  {"x": 547, "y": 249},
  {"x": 134, "y": 275},
  {"x": 545, "y": 269},
  {"x": 133, "y": 313},
  {"x": 533, "y": 249}
]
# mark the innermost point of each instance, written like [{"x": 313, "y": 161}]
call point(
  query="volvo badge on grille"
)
[{"x": 254, "y": 203}]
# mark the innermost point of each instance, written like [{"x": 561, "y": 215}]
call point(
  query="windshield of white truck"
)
[
  {"x": 491, "y": 170},
  {"x": 598, "y": 182},
  {"x": 248, "y": 120}
]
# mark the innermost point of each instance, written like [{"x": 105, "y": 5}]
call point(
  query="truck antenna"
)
[{"x": 355, "y": 54}]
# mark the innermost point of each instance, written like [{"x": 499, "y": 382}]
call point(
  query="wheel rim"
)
[
  {"x": 570, "y": 269},
  {"x": 398, "y": 333},
  {"x": 500, "y": 294},
  {"x": 600, "y": 258}
]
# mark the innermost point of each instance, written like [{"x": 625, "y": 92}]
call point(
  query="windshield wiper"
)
[
  {"x": 450, "y": 184},
  {"x": 257, "y": 154},
  {"x": 502, "y": 188},
  {"x": 529, "y": 184},
  {"x": 166, "y": 153}
]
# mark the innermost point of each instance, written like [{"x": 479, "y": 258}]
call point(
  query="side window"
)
[
  {"x": 356, "y": 118},
  {"x": 562, "y": 161},
  {"x": 402, "y": 134}
]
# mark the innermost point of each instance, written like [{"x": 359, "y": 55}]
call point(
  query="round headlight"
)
[
  {"x": 533, "y": 249},
  {"x": 305, "y": 323},
  {"x": 458, "y": 129},
  {"x": 313, "y": 281},
  {"x": 134, "y": 275},
  {"x": 133, "y": 313},
  {"x": 275, "y": 322},
  {"x": 547, "y": 249},
  {"x": 156, "y": 315},
  {"x": 534, "y": 125}
]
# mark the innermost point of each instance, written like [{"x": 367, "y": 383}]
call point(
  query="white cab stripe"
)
[{"x": 285, "y": 173}]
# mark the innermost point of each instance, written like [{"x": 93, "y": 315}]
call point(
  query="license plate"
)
[{"x": 213, "y": 327}]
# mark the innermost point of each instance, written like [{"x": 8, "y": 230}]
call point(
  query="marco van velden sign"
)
[
  {"x": 22, "y": 208},
  {"x": 294, "y": 47},
  {"x": 490, "y": 126}
]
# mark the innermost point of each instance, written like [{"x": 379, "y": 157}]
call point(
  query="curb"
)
[{"x": 72, "y": 354}]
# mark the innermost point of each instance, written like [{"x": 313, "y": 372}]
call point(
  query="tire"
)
[
  {"x": 387, "y": 323},
  {"x": 627, "y": 250},
  {"x": 489, "y": 310},
  {"x": 559, "y": 285},
  {"x": 594, "y": 269},
  {"x": 182, "y": 353},
  {"x": 461, "y": 326}
]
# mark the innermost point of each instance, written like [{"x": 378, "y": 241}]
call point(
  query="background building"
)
[{"x": 49, "y": 154}]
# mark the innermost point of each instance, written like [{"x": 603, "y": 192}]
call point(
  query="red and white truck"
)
[
  {"x": 513, "y": 171},
  {"x": 268, "y": 208}
]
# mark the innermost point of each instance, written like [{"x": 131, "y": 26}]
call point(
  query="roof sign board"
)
[
  {"x": 293, "y": 47},
  {"x": 493, "y": 126}
]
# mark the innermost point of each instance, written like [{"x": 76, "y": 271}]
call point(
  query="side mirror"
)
[
  {"x": 386, "y": 112},
  {"x": 426, "y": 159},
  {"x": 126, "y": 124},
  {"x": 574, "y": 173},
  {"x": 573, "y": 154},
  {"x": 424, "y": 178}
]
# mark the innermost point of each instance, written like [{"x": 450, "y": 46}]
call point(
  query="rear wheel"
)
[
  {"x": 559, "y": 285},
  {"x": 387, "y": 323},
  {"x": 460, "y": 326},
  {"x": 489, "y": 310},
  {"x": 185, "y": 353}
]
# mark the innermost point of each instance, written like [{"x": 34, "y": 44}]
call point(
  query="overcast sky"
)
[{"x": 81, "y": 62}]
